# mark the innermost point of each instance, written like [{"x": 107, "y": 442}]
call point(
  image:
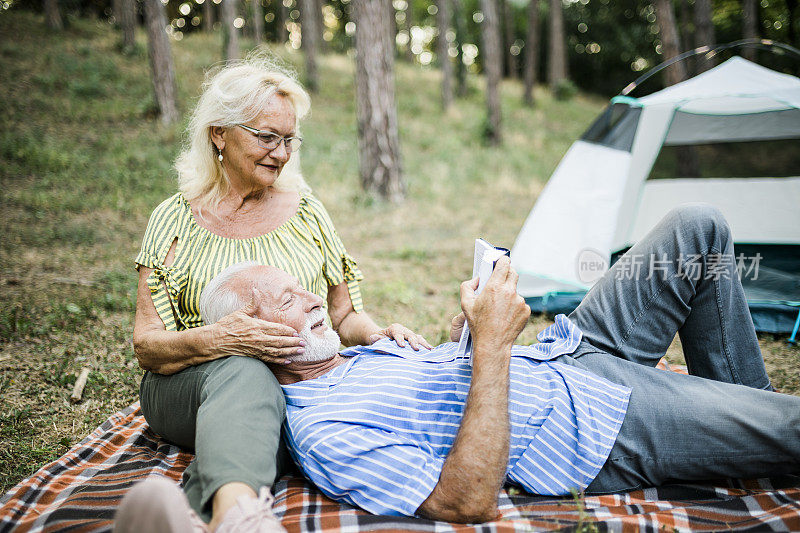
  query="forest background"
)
[{"x": 86, "y": 153}]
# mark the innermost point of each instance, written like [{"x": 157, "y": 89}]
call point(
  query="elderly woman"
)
[{"x": 241, "y": 198}]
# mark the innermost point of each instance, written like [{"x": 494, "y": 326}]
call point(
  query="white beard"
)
[{"x": 318, "y": 348}]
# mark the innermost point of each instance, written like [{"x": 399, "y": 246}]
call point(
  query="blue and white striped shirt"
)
[{"x": 375, "y": 431}]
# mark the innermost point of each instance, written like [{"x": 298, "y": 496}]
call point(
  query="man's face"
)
[{"x": 286, "y": 302}]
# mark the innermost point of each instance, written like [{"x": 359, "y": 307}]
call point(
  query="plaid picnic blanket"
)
[{"x": 81, "y": 491}]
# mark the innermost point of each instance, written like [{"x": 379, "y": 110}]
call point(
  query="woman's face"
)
[{"x": 250, "y": 167}]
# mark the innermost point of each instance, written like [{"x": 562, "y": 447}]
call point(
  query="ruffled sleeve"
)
[
  {"x": 338, "y": 265},
  {"x": 162, "y": 229}
]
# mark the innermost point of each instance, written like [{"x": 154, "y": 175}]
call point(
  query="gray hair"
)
[{"x": 218, "y": 299}]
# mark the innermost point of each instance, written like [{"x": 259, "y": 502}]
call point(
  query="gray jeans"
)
[
  {"x": 229, "y": 412},
  {"x": 720, "y": 421}
]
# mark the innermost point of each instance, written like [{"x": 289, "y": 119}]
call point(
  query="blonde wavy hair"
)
[{"x": 235, "y": 93}]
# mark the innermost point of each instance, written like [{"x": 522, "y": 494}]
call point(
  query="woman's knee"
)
[
  {"x": 170, "y": 404},
  {"x": 240, "y": 378}
]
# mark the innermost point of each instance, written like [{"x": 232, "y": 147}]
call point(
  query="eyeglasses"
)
[{"x": 270, "y": 140}]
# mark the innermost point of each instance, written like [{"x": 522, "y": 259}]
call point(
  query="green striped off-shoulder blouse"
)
[{"x": 306, "y": 246}]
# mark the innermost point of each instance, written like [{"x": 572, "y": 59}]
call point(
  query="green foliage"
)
[
  {"x": 40, "y": 321},
  {"x": 90, "y": 87},
  {"x": 609, "y": 43},
  {"x": 34, "y": 153},
  {"x": 564, "y": 90},
  {"x": 138, "y": 50},
  {"x": 605, "y": 39},
  {"x": 23, "y": 456},
  {"x": 487, "y": 131},
  {"x": 57, "y": 377},
  {"x": 119, "y": 291},
  {"x": 14, "y": 321},
  {"x": 416, "y": 255}
]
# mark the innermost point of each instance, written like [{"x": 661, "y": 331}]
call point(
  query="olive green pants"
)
[{"x": 229, "y": 413}]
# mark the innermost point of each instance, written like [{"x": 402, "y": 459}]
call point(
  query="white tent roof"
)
[{"x": 735, "y": 86}]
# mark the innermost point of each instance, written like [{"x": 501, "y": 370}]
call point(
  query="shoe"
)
[
  {"x": 251, "y": 515},
  {"x": 157, "y": 505}
]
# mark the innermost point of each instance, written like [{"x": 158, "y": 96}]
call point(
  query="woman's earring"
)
[{"x": 220, "y": 157}]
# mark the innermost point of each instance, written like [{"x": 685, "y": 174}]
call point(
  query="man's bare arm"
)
[{"x": 474, "y": 470}]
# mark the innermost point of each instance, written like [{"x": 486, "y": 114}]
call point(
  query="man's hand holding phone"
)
[{"x": 498, "y": 314}]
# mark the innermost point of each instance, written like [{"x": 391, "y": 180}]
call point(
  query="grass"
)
[{"x": 83, "y": 162}]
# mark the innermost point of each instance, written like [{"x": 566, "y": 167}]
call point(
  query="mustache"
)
[{"x": 314, "y": 317}]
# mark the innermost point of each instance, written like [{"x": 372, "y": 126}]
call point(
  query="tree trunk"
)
[
  {"x": 688, "y": 166},
  {"x": 322, "y": 44},
  {"x": 311, "y": 22},
  {"x": 557, "y": 58},
  {"x": 686, "y": 34},
  {"x": 378, "y": 139},
  {"x": 410, "y": 24},
  {"x": 510, "y": 61},
  {"x": 127, "y": 21},
  {"x": 52, "y": 16},
  {"x": 791, "y": 6},
  {"x": 208, "y": 16},
  {"x": 750, "y": 27},
  {"x": 443, "y": 50},
  {"x": 281, "y": 17},
  {"x": 230, "y": 35},
  {"x": 258, "y": 22},
  {"x": 531, "y": 51},
  {"x": 461, "y": 68},
  {"x": 116, "y": 10},
  {"x": 162, "y": 67},
  {"x": 492, "y": 66},
  {"x": 704, "y": 32},
  {"x": 669, "y": 42}
]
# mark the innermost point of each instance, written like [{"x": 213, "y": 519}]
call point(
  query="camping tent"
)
[{"x": 729, "y": 136}]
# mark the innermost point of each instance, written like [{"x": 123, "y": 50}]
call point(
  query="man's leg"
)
[
  {"x": 228, "y": 411},
  {"x": 681, "y": 277},
  {"x": 681, "y": 427}
]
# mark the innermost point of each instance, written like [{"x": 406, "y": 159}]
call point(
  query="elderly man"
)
[{"x": 416, "y": 432}]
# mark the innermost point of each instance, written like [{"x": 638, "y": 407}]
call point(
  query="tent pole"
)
[
  {"x": 793, "y": 338},
  {"x": 711, "y": 50}
]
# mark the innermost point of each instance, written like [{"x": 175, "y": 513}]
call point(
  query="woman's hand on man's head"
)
[{"x": 241, "y": 333}]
